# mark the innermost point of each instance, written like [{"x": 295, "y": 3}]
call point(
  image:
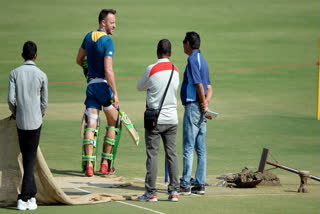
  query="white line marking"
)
[
  {"x": 154, "y": 211},
  {"x": 121, "y": 202},
  {"x": 254, "y": 195},
  {"x": 82, "y": 190},
  {"x": 139, "y": 179},
  {"x": 249, "y": 195}
]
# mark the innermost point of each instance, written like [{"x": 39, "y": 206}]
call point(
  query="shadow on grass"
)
[
  {"x": 76, "y": 193},
  {"x": 67, "y": 172},
  {"x": 134, "y": 188},
  {"x": 10, "y": 208},
  {"x": 291, "y": 191}
]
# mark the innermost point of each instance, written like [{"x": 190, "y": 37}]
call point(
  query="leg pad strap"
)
[
  {"x": 107, "y": 156},
  {"x": 89, "y": 158},
  {"x": 90, "y": 142},
  {"x": 91, "y": 129},
  {"x": 112, "y": 128},
  {"x": 109, "y": 141}
]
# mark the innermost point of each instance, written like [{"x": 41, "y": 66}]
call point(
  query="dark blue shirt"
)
[
  {"x": 196, "y": 72},
  {"x": 97, "y": 45}
]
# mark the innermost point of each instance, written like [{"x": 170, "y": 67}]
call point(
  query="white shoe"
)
[
  {"x": 148, "y": 197},
  {"x": 31, "y": 204},
  {"x": 173, "y": 196},
  {"x": 22, "y": 205}
]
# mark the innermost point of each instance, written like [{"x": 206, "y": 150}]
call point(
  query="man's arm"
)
[
  {"x": 208, "y": 98},
  {"x": 81, "y": 55},
  {"x": 12, "y": 94},
  {"x": 110, "y": 79},
  {"x": 209, "y": 94},
  {"x": 44, "y": 96},
  {"x": 200, "y": 93},
  {"x": 142, "y": 83},
  {"x": 80, "y": 61}
]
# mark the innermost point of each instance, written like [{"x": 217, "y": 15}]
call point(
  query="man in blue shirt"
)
[
  {"x": 98, "y": 47},
  {"x": 196, "y": 92}
]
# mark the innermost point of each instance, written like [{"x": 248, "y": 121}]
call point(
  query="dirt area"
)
[{"x": 247, "y": 179}]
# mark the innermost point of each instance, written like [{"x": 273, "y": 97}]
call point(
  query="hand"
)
[
  {"x": 115, "y": 101},
  {"x": 204, "y": 106},
  {"x": 208, "y": 116},
  {"x": 12, "y": 117},
  {"x": 85, "y": 72},
  {"x": 85, "y": 67}
]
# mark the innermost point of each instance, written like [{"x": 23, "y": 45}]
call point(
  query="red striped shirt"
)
[{"x": 162, "y": 66}]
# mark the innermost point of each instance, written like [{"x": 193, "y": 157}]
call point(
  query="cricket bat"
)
[{"x": 130, "y": 127}]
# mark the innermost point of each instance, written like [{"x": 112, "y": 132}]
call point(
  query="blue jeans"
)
[{"x": 194, "y": 131}]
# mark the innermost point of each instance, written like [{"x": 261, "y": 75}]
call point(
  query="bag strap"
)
[{"x": 165, "y": 92}]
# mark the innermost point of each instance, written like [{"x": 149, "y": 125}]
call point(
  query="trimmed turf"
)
[{"x": 260, "y": 54}]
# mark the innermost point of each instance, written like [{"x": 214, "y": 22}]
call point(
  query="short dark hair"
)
[
  {"x": 193, "y": 38},
  {"x": 164, "y": 47},
  {"x": 104, "y": 13},
  {"x": 29, "y": 50}
]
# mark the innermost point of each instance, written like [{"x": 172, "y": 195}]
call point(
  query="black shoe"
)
[
  {"x": 192, "y": 181},
  {"x": 198, "y": 189},
  {"x": 184, "y": 190}
]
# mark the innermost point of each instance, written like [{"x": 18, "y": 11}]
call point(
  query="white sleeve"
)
[
  {"x": 44, "y": 95},
  {"x": 143, "y": 82},
  {"x": 12, "y": 94}
]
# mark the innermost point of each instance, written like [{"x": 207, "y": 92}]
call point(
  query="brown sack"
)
[{"x": 11, "y": 172}]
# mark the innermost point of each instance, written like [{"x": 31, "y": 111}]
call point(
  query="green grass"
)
[{"x": 268, "y": 107}]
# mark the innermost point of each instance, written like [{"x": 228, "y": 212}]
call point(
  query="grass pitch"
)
[{"x": 261, "y": 55}]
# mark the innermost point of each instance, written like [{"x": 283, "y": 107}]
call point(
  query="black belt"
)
[{"x": 186, "y": 103}]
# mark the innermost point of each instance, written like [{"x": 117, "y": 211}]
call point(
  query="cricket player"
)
[{"x": 101, "y": 93}]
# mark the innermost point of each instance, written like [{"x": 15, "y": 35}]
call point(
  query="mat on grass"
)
[
  {"x": 107, "y": 181},
  {"x": 49, "y": 191}
]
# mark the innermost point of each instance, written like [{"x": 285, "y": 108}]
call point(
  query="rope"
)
[{"x": 273, "y": 158}]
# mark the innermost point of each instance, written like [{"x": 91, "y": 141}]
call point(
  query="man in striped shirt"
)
[{"x": 154, "y": 81}]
